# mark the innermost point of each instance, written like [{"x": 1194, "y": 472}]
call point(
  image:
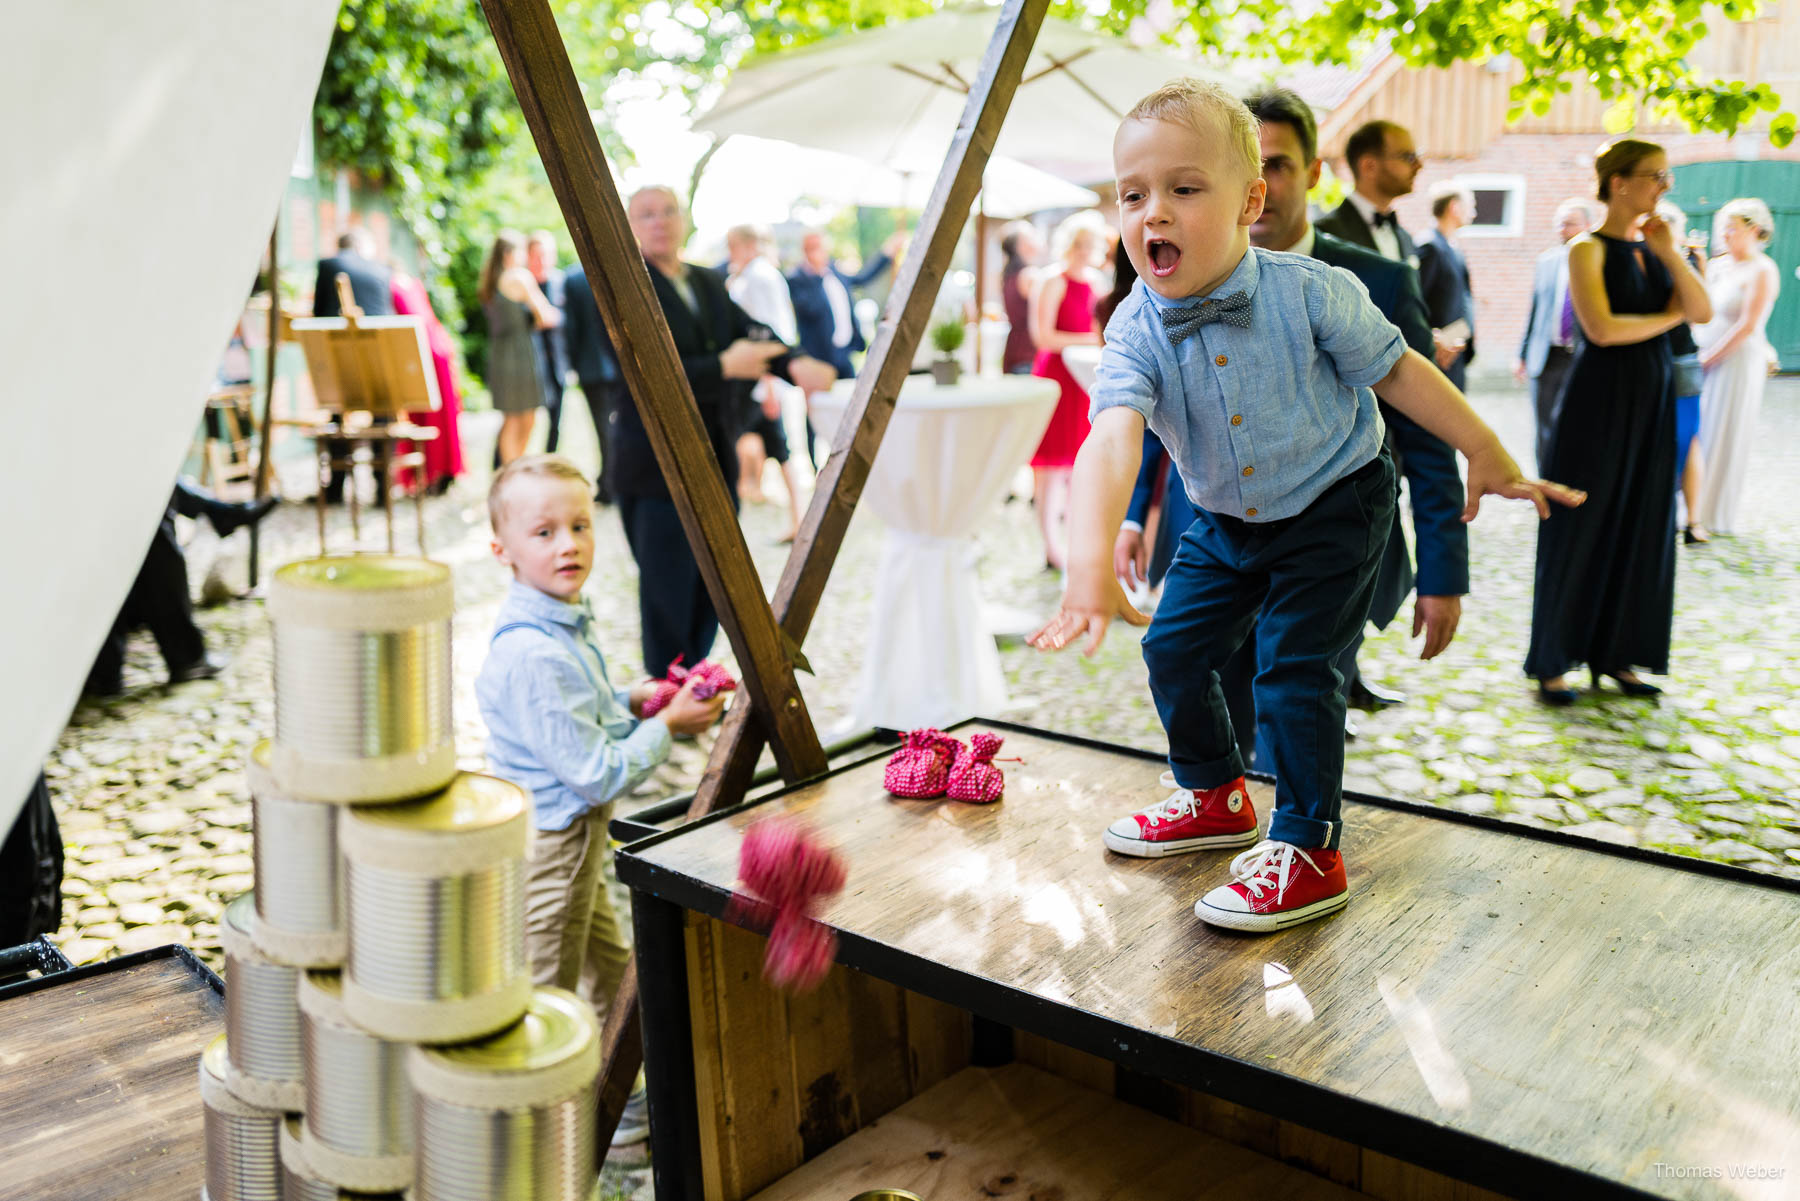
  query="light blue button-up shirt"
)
[
  {"x": 1260, "y": 421},
  {"x": 556, "y": 725}
]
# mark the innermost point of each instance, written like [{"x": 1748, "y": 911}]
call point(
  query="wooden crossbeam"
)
[
  {"x": 538, "y": 64},
  {"x": 840, "y": 484}
]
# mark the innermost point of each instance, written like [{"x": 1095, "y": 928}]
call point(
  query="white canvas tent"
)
[{"x": 147, "y": 149}]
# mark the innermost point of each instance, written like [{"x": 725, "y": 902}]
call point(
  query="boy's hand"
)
[
  {"x": 688, "y": 714},
  {"x": 641, "y": 692},
  {"x": 1131, "y": 557},
  {"x": 1092, "y": 601},
  {"x": 1493, "y": 473}
]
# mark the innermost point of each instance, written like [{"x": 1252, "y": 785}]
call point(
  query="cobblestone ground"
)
[{"x": 150, "y": 786}]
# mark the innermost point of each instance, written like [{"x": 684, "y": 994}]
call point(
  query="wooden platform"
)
[
  {"x": 99, "y": 1092},
  {"x": 1016, "y": 1131},
  {"x": 1529, "y": 1013}
]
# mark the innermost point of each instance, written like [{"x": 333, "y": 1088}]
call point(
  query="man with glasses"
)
[{"x": 1383, "y": 166}]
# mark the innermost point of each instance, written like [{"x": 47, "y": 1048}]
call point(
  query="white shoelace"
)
[
  {"x": 1269, "y": 865},
  {"x": 1174, "y": 807}
]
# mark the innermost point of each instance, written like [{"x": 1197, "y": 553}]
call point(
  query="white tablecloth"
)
[
  {"x": 948, "y": 454},
  {"x": 1082, "y": 362}
]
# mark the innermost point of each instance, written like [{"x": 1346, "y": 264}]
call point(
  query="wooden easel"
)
[
  {"x": 367, "y": 374},
  {"x": 765, "y": 638}
]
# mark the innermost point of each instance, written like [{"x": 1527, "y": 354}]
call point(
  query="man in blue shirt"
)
[
  {"x": 559, "y": 729},
  {"x": 1258, "y": 371}
]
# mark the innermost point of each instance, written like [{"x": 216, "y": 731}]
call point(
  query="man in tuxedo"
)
[
  {"x": 591, "y": 355},
  {"x": 1549, "y": 342},
  {"x": 723, "y": 352},
  {"x": 373, "y": 292},
  {"x": 1383, "y": 165},
  {"x": 823, "y": 295},
  {"x": 553, "y": 352},
  {"x": 1444, "y": 279},
  {"x": 1289, "y": 142}
]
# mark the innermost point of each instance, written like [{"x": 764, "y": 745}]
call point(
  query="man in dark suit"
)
[
  {"x": 1444, "y": 279},
  {"x": 1290, "y": 168},
  {"x": 1549, "y": 343},
  {"x": 723, "y": 352},
  {"x": 372, "y": 290},
  {"x": 824, "y": 297},
  {"x": 369, "y": 282},
  {"x": 553, "y": 351},
  {"x": 591, "y": 355},
  {"x": 1383, "y": 165}
]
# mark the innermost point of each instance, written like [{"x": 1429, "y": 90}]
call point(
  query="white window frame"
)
[{"x": 1514, "y": 225}]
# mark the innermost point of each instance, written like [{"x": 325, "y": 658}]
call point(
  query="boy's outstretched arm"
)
[
  {"x": 1099, "y": 491},
  {"x": 1421, "y": 391}
]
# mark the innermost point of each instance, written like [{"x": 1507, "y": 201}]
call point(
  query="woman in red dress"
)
[
  {"x": 443, "y": 455},
  {"x": 1062, "y": 314}
]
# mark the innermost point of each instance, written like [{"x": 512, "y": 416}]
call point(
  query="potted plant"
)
[{"x": 947, "y": 335}]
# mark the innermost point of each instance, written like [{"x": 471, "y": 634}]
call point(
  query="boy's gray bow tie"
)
[{"x": 1182, "y": 320}]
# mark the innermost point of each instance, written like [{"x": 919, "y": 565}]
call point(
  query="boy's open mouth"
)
[{"x": 1165, "y": 256}]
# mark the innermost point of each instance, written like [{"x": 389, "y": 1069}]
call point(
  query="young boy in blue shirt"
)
[
  {"x": 1258, "y": 370},
  {"x": 559, "y": 729}
]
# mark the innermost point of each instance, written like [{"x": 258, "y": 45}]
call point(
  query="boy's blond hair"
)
[
  {"x": 1203, "y": 107},
  {"x": 553, "y": 467}
]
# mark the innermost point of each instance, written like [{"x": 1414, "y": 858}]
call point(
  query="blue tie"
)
[{"x": 1180, "y": 321}]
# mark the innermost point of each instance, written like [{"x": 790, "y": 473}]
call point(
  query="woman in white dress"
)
[{"x": 1734, "y": 353}]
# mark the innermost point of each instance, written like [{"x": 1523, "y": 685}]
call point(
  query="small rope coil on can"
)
[
  {"x": 436, "y": 912},
  {"x": 299, "y": 881},
  {"x": 358, "y": 1131},
  {"x": 242, "y": 1150},
  {"x": 362, "y": 678},
  {"x": 300, "y": 1180},
  {"x": 262, "y": 1017},
  {"x": 511, "y": 1115}
]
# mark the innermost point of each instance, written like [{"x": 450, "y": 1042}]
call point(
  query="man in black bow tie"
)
[{"x": 1383, "y": 164}]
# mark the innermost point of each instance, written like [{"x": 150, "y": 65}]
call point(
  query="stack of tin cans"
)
[{"x": 380, "y": 1017}]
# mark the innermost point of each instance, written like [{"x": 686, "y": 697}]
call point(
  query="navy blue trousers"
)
[
  {"x": 673, "y": 604},
  {"x": 1301, "y": 587}
]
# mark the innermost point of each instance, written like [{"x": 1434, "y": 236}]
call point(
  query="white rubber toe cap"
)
[
  {"x": 1125, "y": 827},
  {"x": 1225, "y": 899}
]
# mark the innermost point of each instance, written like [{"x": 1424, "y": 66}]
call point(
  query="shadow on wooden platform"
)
[{"x": 1529, "y": 1013}]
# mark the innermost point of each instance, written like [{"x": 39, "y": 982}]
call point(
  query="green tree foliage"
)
[{"x": 414, "y": 96}]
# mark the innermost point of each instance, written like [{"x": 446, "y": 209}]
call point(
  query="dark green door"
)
[{"x": 1701, "y": 189}]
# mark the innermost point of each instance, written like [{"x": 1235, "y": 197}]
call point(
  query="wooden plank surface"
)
[
  {"x": 1016, "y": 1131},
  {"x": 1597, "y": 1011},
  {"x": 99, "y": 1086}
]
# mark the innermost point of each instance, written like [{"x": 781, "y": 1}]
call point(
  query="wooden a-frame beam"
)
[
  {"x": 542, "y": 78},
  {"x": 541, "y": 75},
  {"x": 840, "y": 484}
]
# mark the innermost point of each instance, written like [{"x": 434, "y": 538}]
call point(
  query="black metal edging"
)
[
  {"x": 88, "y": 971},
  {"x": 38, "y": 955},
  {"x": 1477, "y": 1160}
]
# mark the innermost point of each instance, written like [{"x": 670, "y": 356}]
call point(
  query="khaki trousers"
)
[{"x": 572, "y": 935}]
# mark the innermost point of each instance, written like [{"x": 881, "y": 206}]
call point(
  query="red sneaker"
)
[
  {"x": 1278, "y": 885},
  {"x": 1214, "y": 819}
]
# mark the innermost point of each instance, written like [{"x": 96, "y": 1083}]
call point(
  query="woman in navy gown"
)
[{"x": 1605, "y": 586}]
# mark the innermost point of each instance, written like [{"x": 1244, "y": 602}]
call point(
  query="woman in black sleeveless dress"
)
[{"x": 1605, "y": 581}]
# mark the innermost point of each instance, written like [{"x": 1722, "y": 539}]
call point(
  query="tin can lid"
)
[
  {"x": 471, "y": 802},
  {"x": 241, "y": 912},
  {"x": 363, "y": 573},
  {"x": 557, "y": 1025},
  {"x": 216, "y": 1059}
]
